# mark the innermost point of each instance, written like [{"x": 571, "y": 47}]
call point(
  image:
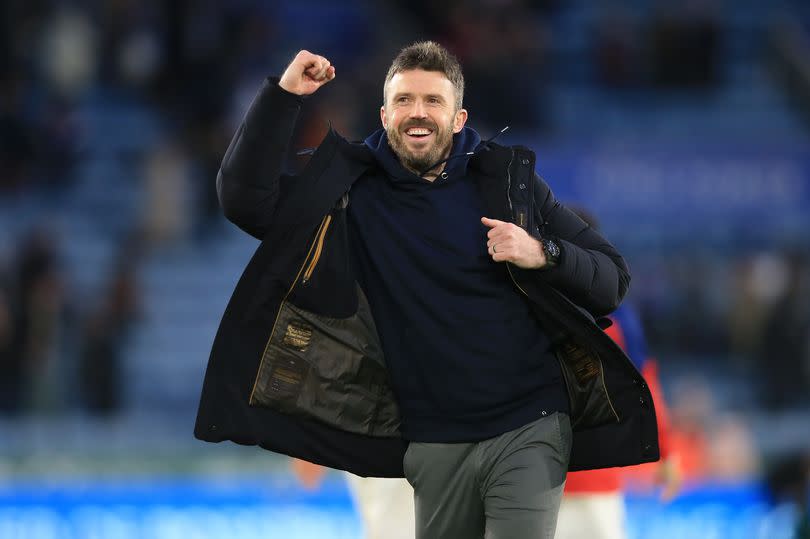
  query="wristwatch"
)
[{"x": 552, "y": 251}]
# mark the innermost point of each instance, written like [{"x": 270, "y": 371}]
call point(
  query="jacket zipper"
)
[
  {"x": 509, "y": 182},
  {"x": 509, "y": 200},
  {"x": 317, "y": 246}
]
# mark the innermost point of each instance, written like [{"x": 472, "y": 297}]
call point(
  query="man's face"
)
[{"x": 420, "y": 117}]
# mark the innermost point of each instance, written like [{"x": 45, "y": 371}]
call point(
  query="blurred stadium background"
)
[{"x": 683, "y": 125}]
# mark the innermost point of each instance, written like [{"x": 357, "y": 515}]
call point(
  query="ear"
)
[
  {"x": 382, "y": 118},
  {"x": 459, "y": 120}
]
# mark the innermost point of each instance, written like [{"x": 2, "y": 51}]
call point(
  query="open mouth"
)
[{"x": 418, "y": 133}]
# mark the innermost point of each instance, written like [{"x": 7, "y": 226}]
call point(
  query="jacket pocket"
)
[
  {"x": 584, "y": 375},
  {"x": 328, "y": 369}
]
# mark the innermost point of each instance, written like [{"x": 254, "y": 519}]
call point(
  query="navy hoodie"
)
[{"x": 467, "y": 359}]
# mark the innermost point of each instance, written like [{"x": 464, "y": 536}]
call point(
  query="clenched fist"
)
[{"x": 306, "y": 73}]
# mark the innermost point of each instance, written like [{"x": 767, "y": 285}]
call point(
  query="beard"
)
[{"x": 418, "y": 162}]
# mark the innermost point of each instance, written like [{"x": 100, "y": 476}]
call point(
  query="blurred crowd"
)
[
  {"x": 195, "y": 66},
  {"x": 59, "y": 351},
  {"x": 748, "y": 311}
]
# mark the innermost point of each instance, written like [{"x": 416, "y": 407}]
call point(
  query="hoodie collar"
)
[{"x": 464, "y": 142}]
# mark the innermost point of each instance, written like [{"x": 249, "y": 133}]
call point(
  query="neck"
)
[{"x": 431, "y": 174}]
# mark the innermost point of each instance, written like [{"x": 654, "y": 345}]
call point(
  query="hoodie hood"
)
[{"x": 464, "y": 142}]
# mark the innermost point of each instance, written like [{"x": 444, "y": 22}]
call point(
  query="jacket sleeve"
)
[
  {"x": 250, "y": 177},
  {"x": 591, "y": 272}
]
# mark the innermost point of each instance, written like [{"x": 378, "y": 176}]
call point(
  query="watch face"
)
[{"x": 552, "y": 249}]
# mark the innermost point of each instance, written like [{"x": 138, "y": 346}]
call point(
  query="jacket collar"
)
[{"x": 491, "y": 169}]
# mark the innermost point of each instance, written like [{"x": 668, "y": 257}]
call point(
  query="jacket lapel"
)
[
  {"x": 331, "y": 171},
  {"x": 492, "y": 167}
]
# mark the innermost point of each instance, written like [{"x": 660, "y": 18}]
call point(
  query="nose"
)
[{"x": 418, "y": 110}]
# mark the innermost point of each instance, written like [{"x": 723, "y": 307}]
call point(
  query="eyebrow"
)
[{"x": 410, "y": 94}]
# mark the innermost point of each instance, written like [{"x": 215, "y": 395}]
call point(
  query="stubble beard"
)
[{"x": 419, "y": 163}]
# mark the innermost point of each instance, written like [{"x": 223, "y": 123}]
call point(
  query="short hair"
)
[{"x": 429, "y": 56}]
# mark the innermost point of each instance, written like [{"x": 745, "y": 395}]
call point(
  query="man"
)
[{"x": 420, "y": 305}]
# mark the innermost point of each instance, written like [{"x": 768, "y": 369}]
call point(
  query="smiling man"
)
[{"x": 420, "y": 306}]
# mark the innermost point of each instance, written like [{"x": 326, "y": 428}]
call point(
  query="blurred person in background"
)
[
  {"x": 167, "y": 216},
  {"x": 469, "y": 402},
  {"x": 593, "y": 504},
  {"x": 384, "y": 504},
  {"x": 783, "y": 351},
  {"x": 10, "y": 366},
  {"x": 40, "y": 317},
  {"x": 769, "y": 324},
  {"x": 712, "y": 446},
  {"x": 106, "y": 327}
]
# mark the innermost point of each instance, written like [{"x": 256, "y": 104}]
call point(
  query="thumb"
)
[{"x": 491, "y": 223}]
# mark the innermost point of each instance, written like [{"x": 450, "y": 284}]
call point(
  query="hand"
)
[
  {"x": 509, "y": 243},
  {"x": 306, "y": 73},
  {"x": 668, "y": 475}
]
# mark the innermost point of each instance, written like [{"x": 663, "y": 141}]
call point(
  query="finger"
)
[
  {"x": 314, "y": 70},
  {"x": 491, "y": 223},
  {"x": 500, "y": 231},
  {"x": 307, "y": 60},
  {"x": 508, "y": 231},
  {"x": 315, "y": 64},
  {"x": 499, "y": 251},
  {"x": 501, "y": 256},
  {"x": 501, "y": 244},
  {"x": 323, "y": 76},
  {"x": 304, "y": 57},
  {"x": 323, "y": 68}
]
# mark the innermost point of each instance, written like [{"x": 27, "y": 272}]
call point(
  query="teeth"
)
[{"x": 418, "y": 131}]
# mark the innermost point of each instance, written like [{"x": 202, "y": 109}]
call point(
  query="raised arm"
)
[{"x": 249, "y": 179}]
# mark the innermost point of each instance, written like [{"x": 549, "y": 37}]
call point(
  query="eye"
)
[
  {"x": 433, "y": 100},
  {"x": 402, "y": 99}
]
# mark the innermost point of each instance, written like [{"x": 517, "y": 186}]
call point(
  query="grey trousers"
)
[{"x": 507, "y": 487}]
